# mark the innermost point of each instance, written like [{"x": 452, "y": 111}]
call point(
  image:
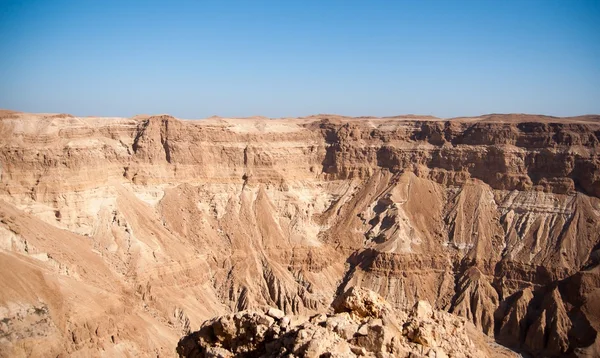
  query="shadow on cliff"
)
[
  {"x": 359, "y": 259},
  {"x": 549, "y": 321}
]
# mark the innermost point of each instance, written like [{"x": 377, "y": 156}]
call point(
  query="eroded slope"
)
[{"x": 120, "y": 235}]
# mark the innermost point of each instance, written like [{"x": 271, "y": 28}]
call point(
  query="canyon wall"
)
[{"x": 124, "y": 234}]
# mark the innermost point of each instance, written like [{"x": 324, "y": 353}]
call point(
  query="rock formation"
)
[
  {"x": 362, "y": 324},
  {"x": 121, "y": 235}
]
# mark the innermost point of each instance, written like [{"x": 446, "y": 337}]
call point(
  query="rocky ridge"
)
[
  {"x": 361, "y": 324},
  {"x": 123, "y": 234}
]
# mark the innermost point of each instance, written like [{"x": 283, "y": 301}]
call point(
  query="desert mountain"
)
[{"x": 120, "y": 236}]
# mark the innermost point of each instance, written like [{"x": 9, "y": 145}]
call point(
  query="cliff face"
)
[{"x": 123, "y": 234}]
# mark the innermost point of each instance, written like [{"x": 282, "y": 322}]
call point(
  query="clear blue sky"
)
[{"x": 195, "y": 59}]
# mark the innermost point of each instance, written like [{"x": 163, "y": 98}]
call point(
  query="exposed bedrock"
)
[
  {"x": 360, "y": 324},
  {"x": 122, "y": 235}
]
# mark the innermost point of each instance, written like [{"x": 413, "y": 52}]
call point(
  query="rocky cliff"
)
[{"x": 123, "y": 234}]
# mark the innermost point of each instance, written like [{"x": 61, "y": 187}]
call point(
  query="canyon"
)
[{"x": 123, "y": 236}]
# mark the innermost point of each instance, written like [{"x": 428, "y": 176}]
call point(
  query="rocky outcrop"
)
[{"x": 361, "y": 324}]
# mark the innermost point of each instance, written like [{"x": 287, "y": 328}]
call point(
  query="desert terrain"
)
[{"x": 122, "y": 236}]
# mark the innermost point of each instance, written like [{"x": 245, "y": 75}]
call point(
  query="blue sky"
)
[{"x": 194, "y": 59}]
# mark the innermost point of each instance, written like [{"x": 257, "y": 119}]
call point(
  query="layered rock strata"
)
[{"x": 121, "y": 234}]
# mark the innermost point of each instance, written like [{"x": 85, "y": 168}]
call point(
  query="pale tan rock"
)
[
  {"x": 361, "y": 302},
  {"x": 430, "y": 333},
  {"x": 275, "y": 313},
  {"x": 422, "y": 310},
  {"x": 217, "y": 352}
]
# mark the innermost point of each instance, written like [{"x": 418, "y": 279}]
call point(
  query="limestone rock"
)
[
  {"x": 426, "y": 332},
  {"x": 362, "y": 302}
]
